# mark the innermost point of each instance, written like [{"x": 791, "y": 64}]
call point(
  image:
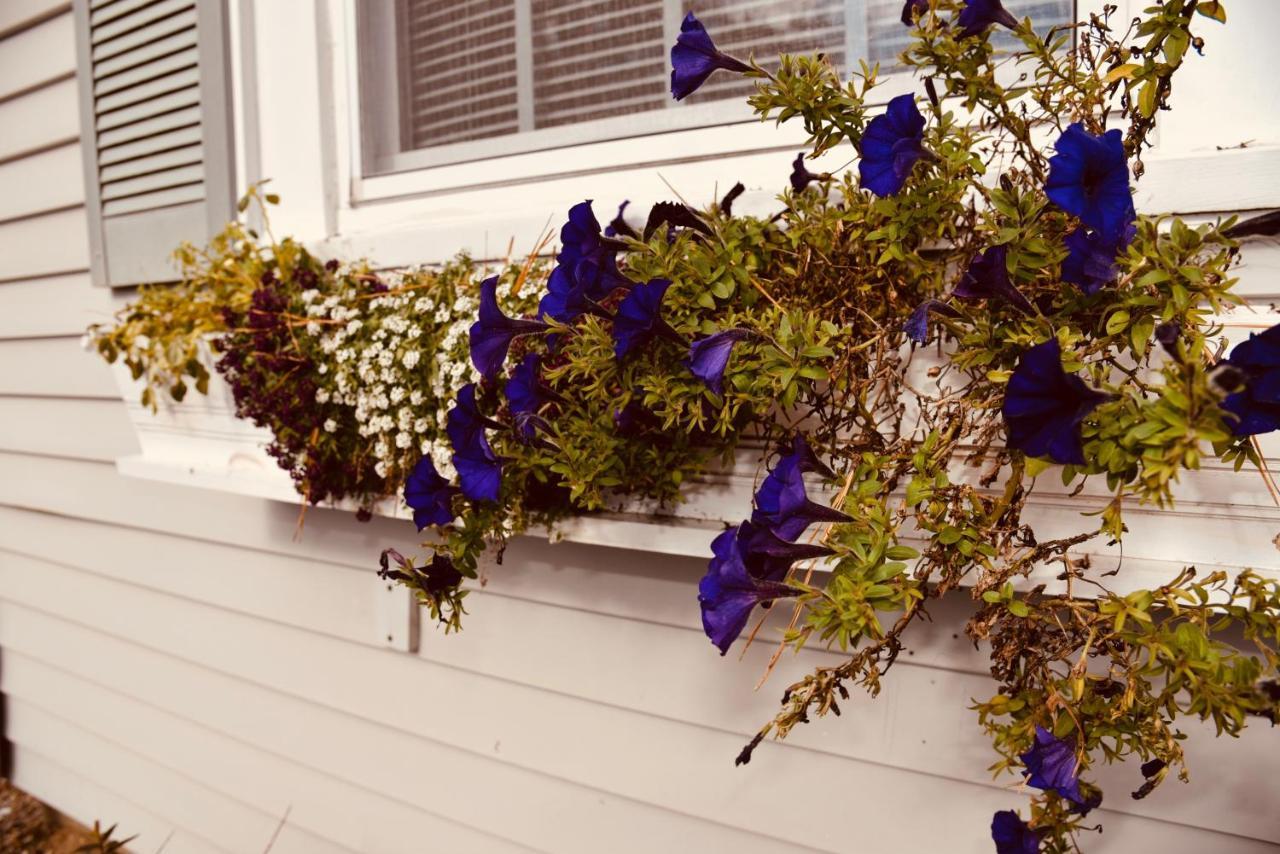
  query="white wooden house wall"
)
[{"x": 173, "y": 660}]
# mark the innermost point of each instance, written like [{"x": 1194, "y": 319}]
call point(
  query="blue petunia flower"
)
[
  {"x": 1044, "y": 405},
  {"x": 767, "y": 556},
  {"x": 1052, "y": 766},
  {"x": 526, "y": 394},
  {"x": 917, "y": 325},
  {"x": 728, "y": 592},
  {"x": 694, "y": 58},
  {"x": 783, "y": 505},
  {"x": 1091, "y": 257},
  {"x": 429, "y": 495},
  {"x": 978, "y": 15},
  {"x": 479, "y": 469},
  {"x": 590, "y": 256},
  {"x": 913, "y": 8},
  {"x": 893, "y": 142},
  {"x": 1255, "y": 408},
  {"x": 988, "y": 278},
  {"x": 708, "y": 357},
  {"x": 806, "y": 459},
  {"x": 800, "y": 176},
  {"x": 491, "y": 335},
  {"x": 639, "y": 318},
  {"x": 1089, "y": 179},
  {"x": 1012, "y": 835}
]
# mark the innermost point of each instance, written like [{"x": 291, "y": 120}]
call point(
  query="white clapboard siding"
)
[
  {"x": 67, "y": 789},
  {"x": 17, "y": 15},
  {"x": 57, "y": 427},
  {"x": 40, "y": 119},
  {"x": 30, "y": 251},
  {"x": 65, "y": 368},
  {"x": 52, "y": 306},
  {"x": 47, "y": 181},
  {"x": 190, "y": 804},
  {"x": 44, "y": 53}
]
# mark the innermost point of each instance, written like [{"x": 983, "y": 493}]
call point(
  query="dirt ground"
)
[{"x": 29, "y": 827}]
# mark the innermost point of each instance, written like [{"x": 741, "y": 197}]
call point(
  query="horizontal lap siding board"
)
[{"x": 66, "y": 369}]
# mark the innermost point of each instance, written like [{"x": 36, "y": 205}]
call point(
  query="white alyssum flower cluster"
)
[{"x": 398, "y": 360}]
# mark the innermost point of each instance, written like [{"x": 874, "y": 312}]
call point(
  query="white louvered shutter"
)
[{"x": 156, "y": 131}]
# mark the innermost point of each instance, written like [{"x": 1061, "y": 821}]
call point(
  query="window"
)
[{"x": 449, "y": 81}]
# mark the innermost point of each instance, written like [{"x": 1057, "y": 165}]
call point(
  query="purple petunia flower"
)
[
  {"x": 435, "y": 578},
  {"x": 978, "y": 15},
  {"x": 639, "y": 317},
  {"x": 1089, "y": 179},
  {"x": 783, "y": 505},
  {"x": 806, "y": 459},
  {"x": 429, "y": 495},
  {"x": 1052, "y": 765},
  {"x": 525, "y": 394},
  {"x": 728, "y": 592},
  {"x": 800, "y": 176},
  {"x": 911, "y": 9},
  {"x": 708, "y": 357},
  {"x": 767, "y": 556},
  {"x": 492, "y": 334},
  {"x": 893, "y": 142},
  {"x": 1044, "y": 405},
  {"x": 917, "y": 325},
  {"x": 1256, "y": 406},
  {"x": 694, "y": 58},
  {"x": 479, "y": 469},
  {"x": 988, "y": 278},
  {"x": 1012, "y": 835},
  {"x": 618, "y": 225},
  {"x": 1091, "y": 257}
]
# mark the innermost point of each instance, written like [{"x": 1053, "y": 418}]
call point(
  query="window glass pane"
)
[{"x": 446, "y": 81}]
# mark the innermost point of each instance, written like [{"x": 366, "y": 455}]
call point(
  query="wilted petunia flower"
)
[
  {"x": 800, "y": 176},
  {"x": 525, "y": 395},
  {"x": 977, "y": 15},
  {"x": 893, "y": 142},
  {"x": 1052, "y": 765},
  {"x": 1091, "y": 257},
  {"x": 1256, "y": 406},
  {"x": 479, "y": 469},
  {"x": 783, "y": 505},
  {"x": 806, "y": 459},
  {"x": 1089, "y": 179},
  {"x": 492, "y": 334},
  {"x": 727, "y": 593},
  {"x": 618, "y": 225},
  {"x": 708, "y": 357},
  {"x": 429, "y": 494},
  {"x": 988, "y": 278},
  {"x": 911, "y": 9},
  {"x": 639, "y": 317},
  {"x": 440, "y": 575},
  {"x": 917, "y": 325},
  {"x": 1012, "y": 835},
  {"x": 1044, "y": 405},
  {"x": 694, "y": 58}
]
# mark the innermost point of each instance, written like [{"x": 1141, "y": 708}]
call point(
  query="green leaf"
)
[
  {"x": 1018, "y": 608},
  {"x": 1213, "y": 9}
]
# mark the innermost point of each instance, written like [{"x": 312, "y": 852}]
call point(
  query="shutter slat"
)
[
  {"x": 112, "y": 9},
  {"x": 150, "y": 145},
  {"x": 185, "y": 60},
  {"x": 141, "y": 130},
  {"x": 156, "y": 107},
  {"x": 180, "y": 41},
  {"x": 173, "y": 158},
  {"x": 149, "y": 91},
  {"x": 152, "y": 201},
  {"x": 147, "y": 35},
  {"x": 150, "y": 183},
  {"x": 138, "y": 19}
]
